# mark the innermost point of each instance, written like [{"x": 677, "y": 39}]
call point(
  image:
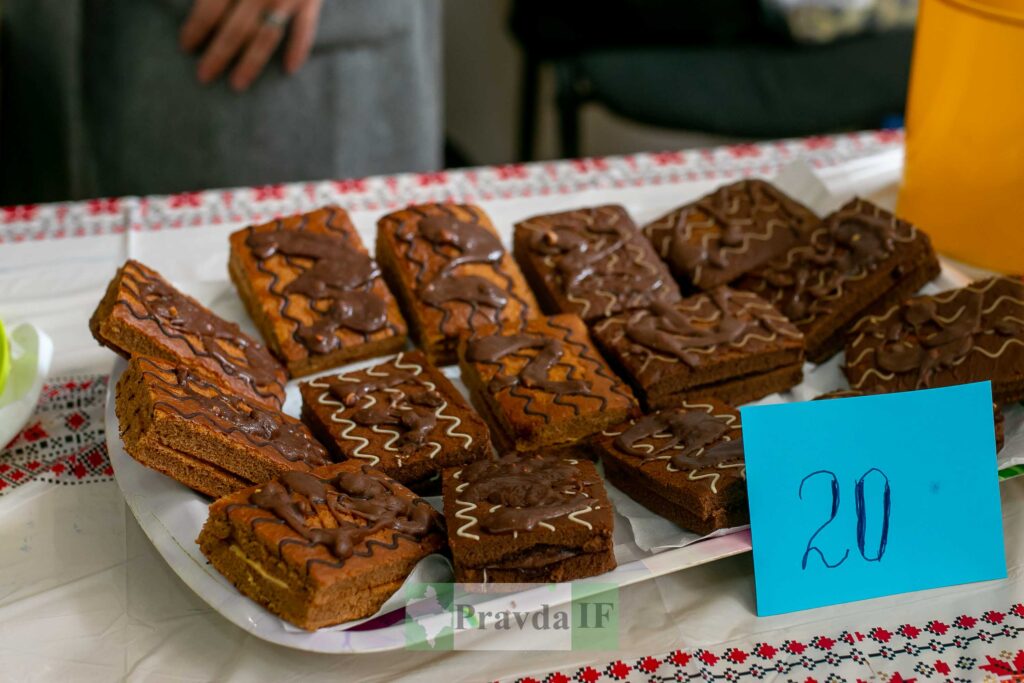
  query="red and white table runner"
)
[{"x": 46, "y": 471}]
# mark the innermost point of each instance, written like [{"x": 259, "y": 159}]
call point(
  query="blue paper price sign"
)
[{"x": 862, "y": 497}]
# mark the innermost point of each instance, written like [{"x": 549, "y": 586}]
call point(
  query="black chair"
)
[{"x": 717, "y": 66}]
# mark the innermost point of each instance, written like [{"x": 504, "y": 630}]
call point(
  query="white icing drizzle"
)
[
  {"x": 749, "y": 238},
  {"x": 455, "y": 422},
  {"x": 573, "y": 517},
  {"x": 762, "y": 285},
  {"x": 462, "y": 514},
  {"x": 886, "y": 376},
  {"x": 943, "y": 297},
  {"x": 863, "y": 353},
  {"x": 823, "y": 233},
  {"x": 1001, "y": 299},
  {"x": 765, "y": 310},
  {"x": 611, "y": 297},
  {"x": 693, "y": 474},
  {"x": 466, "y": 507},
  {"x": 985, "y": 352},
  {"x": 680, "y": 226},
  {"x": 469, "y": 520},
  {"x": 708, "y": 408},
  {"x": 714, "y": 476},
  {"x": 348, "y": 426}
]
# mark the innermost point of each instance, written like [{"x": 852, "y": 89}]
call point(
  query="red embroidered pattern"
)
[
  {"x": 64, "y": 442},
  {"x": 380, "y": 193},
  {"x": 971, "y": 648}
]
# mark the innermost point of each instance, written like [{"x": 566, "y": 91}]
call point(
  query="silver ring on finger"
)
[{"x": 276, "y": 19}]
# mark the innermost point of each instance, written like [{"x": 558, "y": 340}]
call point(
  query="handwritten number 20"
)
[
  {"x": 883, "y": 538},
  {"x": 835, "y": 510},
  {"x": 861, "y": 518}
]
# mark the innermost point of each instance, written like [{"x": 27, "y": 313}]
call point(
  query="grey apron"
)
[{"x": 99, "y": 100}]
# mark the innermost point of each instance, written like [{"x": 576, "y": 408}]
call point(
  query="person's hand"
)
[{"x": 247, "y": 32}]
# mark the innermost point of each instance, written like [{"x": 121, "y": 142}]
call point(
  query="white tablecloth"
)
[{"x": 83, "y": 595}]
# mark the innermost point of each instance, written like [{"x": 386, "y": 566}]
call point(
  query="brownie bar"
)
[
  {"x": 543, "y": 385},
  {"x": 505, "y": 443},
  {"x": 971, "y": 334},
  {"x": 862, "y": 257},
  {"x": 204, "y": 436},
  {"x": 739, "y": 390},
  {"x": 728, "y": 344},
  {"x": 313, "y": 291},
  {"x": 736, "y": 228},
  {"x": 998, "y": 419},
  {"x": 323, "y": 547},
  {"x": 142, "y": 314},
  {"x": 402, "y": 417},
  {"x": 451, "y": 274},
  {"x": 591, "y": 262},
  {"x": 685, "y": 464},
  {"x": 528, "y": 518}
]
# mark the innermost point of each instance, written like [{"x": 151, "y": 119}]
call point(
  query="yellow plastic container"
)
[{"x": 963, "y": 181}]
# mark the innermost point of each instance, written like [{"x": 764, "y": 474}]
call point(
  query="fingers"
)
[
  {"x": 303, "y": 31},
  {"x": 202, "y": 18},
  {"x": 240, "y": 27},
  {"x": 258, "y": 53},
  {"x": 242, "y": 22}
]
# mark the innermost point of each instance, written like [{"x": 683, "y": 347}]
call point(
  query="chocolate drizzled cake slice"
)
[
  {"x": 685, "y": 464},
  {"x": 402, "y": 417},
  {"x": 528, "y": 518},
  {"x": 451, "y": 274},
  {"x": 722, "y": 235},
  {"x": 203, "y": 435},
  {"x": 861, "y": 260},
  {"x": 543, "y": 385},
  {"x": 592, "y": 262},
  {"x": 731, "y": 345},
  {"x": 313, "y": 291},
  {"x": 323, "y": 547},
  {"x": 970, "y": 334},
  {"x": 142, "y": 314}
]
